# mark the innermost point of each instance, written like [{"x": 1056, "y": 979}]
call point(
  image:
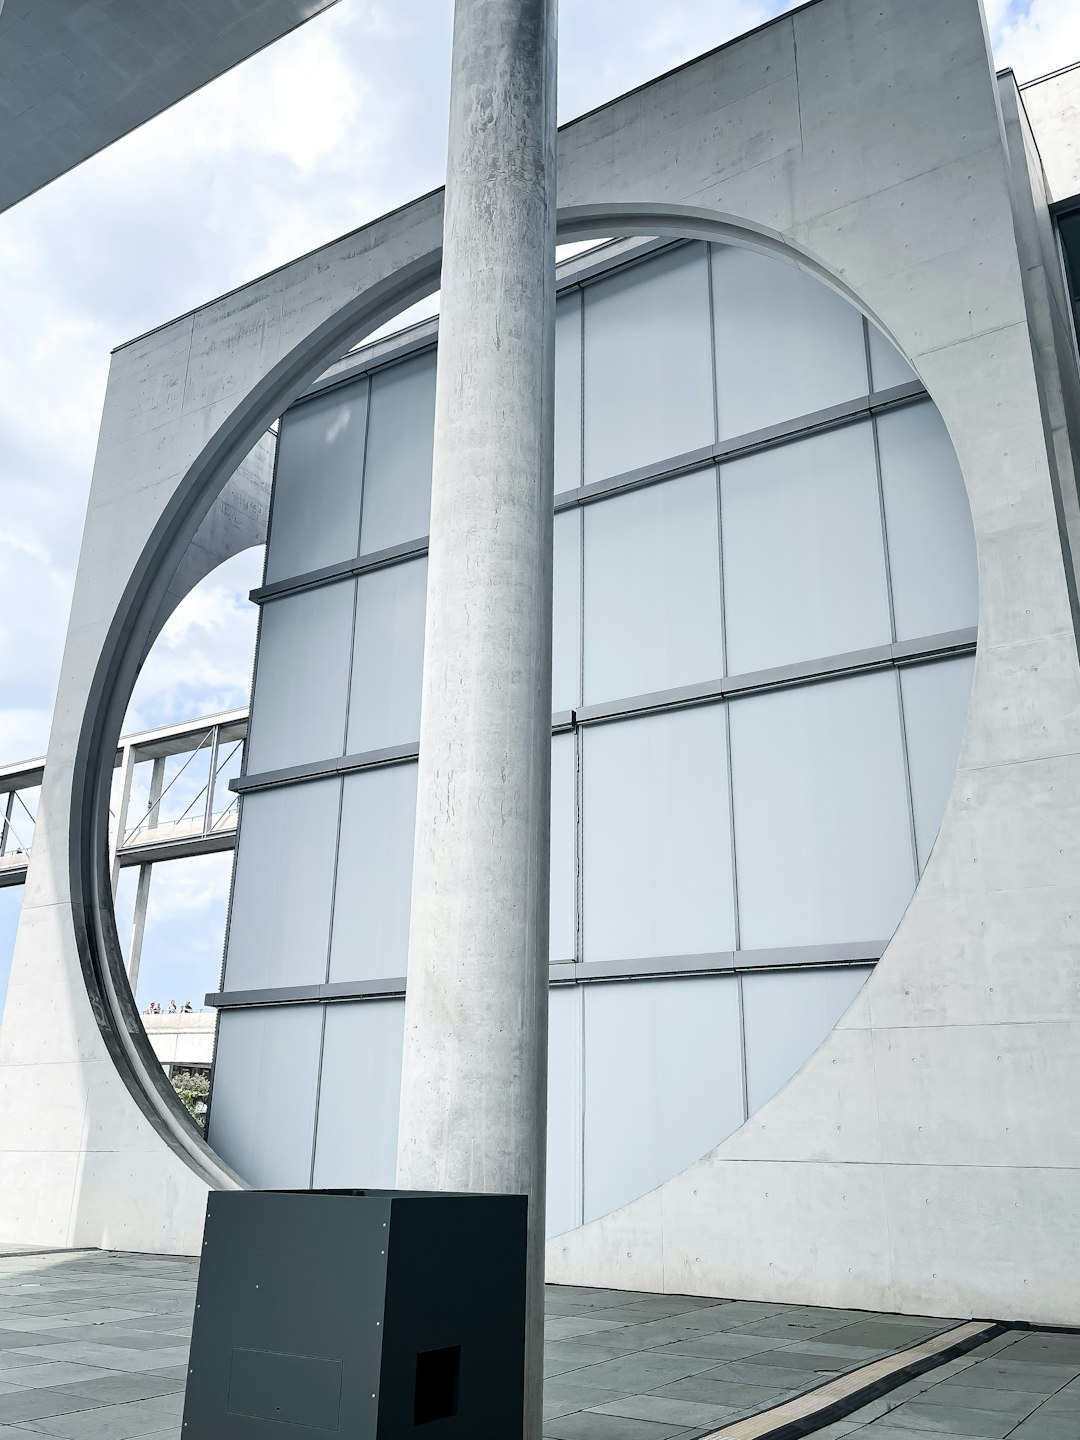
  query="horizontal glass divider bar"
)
[
  {"x": 380, "y": 355},
  {"x": 343, "y": 570},
  {"x": 950, "y": 642},
  {"x": 568, "y": 972},
  {"x": 573, "y": 272},
  {"x": 803, "y": 672},
  {"x": 326, "y": 769},
  {"x": 644, "y": 475},
  {"x": 156, "y": 851},
  {"x": 389, "y": 988},
  {"x": 769, "y": 438},
  {"x": 724, "y": 962}
]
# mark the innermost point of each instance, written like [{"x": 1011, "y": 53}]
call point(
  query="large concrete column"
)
[{"x": 473, "y": 1105}]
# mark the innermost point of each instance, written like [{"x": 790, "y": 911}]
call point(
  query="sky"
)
[{"x": 337, "y": 123}]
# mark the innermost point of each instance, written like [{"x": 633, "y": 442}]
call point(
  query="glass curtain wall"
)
[{"x": 764, "y": 620}]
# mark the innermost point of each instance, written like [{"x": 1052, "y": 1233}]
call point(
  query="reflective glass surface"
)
[
  {"x": 397, "y": 468},
  {"x": 320, "y": 461},
  {"x": 648, "y": 373},
  {"x": 652, "y": 589},
  {"x": 804, "y": 556},
  {"x": 657, "y": 850},
  {"x": 786, "y": 345}
]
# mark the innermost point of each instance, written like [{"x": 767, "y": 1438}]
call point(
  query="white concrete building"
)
[{"x": 815, "y": 966}]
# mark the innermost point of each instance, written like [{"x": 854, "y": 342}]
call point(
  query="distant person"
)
[
  {"x": 172, "y": 1007},
  {"x": 186, "y": 1007}
]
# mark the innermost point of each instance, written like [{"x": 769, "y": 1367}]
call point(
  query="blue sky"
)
[{"x": 337, "y": 123}]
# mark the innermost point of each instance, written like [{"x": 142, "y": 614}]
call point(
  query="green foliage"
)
[{"x": 193, "y": 1087}]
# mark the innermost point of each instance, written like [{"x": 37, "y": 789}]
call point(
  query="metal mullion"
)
[
  {"x": 907, "y": 778},
  {"x": 725, "y": 689},
  {"x": 272, "y": 505},
  {"x": 334, "y": 878},
  {"x": 318, "y": 1094},
  {"x": 363, "y": 477},
  {"x": 744, "y": 1078},
  {"x": 676, "y": 967},
  {"x": 884, "y": 528},
  {"x": 342, "y": 570},
  {"x": 867, "y": 356},
  {"x": 352, "y": 666}
]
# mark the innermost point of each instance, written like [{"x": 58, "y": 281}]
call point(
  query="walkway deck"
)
[{"x": 93, "y": 1346}]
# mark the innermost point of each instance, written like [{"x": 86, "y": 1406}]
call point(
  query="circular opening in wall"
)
[
  {"x": 758, "y": 510},
  {"x": 746, "y": 776},
  {"x": 174, "y": 816}
]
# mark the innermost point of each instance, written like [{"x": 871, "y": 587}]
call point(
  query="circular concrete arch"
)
[{"x": 141, "y": 607}]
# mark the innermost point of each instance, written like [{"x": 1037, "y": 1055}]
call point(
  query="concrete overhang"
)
[{"x": 75, "y": 75}]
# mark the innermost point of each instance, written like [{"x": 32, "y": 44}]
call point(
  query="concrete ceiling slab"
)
[{"x": 75, "y": 75}]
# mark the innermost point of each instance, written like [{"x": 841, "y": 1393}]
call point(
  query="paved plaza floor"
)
[{"x": 93, "y": 1346}]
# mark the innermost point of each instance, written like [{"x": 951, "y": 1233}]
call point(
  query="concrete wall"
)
[
  {"x": 79, "y": 1165},
  {"x": 1053, "y": 107},
  {"x": 928, "y": 1156}
]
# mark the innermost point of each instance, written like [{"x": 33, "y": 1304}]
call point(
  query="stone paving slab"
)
[
  {"x": 93, "y": 1346},
  {"x": 1023, "y": 1385}
]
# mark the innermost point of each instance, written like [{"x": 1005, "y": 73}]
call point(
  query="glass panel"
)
[
  {"x": 935, "y": 709},
  {"x": 279, "y": 927},
  {"x": 565, "y": 1105},
  {"x": 356, "y": 1139},
  {"x": 788, "y": 1013},
  {"x": 301, "y": 678},
  {"x": 566, "y": 613},
  {"x": 262, "y": 1110},
  {"x": 931, "y": 540},
  {"x": 657, "y": 849},
  {"x": 180, "y": 959},
  {"x": 804, "y": 563},
  {"x": 786, "y": 345},
  {"x": 648, "y": 371},
  {"x": 388, "y": 657},
  {"x": 563, "y": 941},
  {"x": 568, "y": 392},
  {"x": 822, "y": 830},
  {"x": 374, "y": 886},
  {"x": 663, "y": 1076},
  {"x": 397, "y": 469},
  {"x": 887, "y": 366},
  {"x": 315, "y": 519},
  {"x": 652, "y": 589}
]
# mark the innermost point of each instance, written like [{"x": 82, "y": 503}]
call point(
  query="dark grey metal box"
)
[{"x": 371, "y": 1314}]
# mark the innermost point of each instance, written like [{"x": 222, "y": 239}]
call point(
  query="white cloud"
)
[{"x": 1036, "y": 37}]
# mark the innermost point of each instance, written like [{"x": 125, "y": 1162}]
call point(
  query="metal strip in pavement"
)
[{"x": 837, "y": 1398}]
